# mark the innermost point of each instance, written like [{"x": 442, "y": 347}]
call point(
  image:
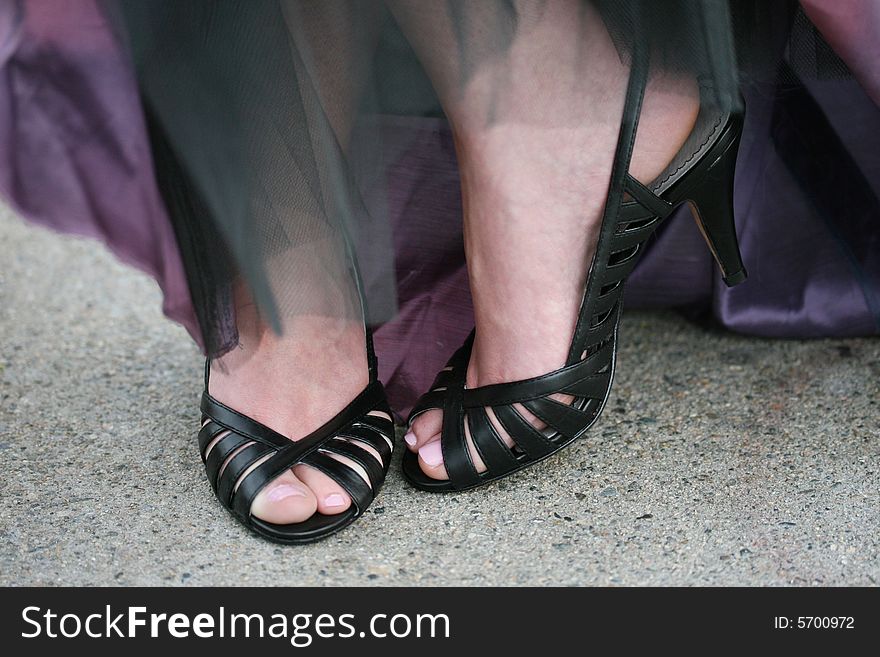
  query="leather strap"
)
[
  {"x": 541, "y": 386},
  {"x": 242, "y": 456},
  {"x": 496, "y": 456},
  {"x": 647, "y": 198},
  {"x": 453, "y": 442},
  {"x": 632, "y": 108}
]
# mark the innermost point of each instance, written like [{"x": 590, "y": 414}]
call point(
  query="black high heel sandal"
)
[
  {"x": 701, "y": 175},
  {"x": 242, "y": 456}
]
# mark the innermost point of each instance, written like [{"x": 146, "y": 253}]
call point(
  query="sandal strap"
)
[
  {"x": 360, "y": 492},
  {"x": 589, "y": 376},
  {"x": 220, "y": 414},
  {"x": 372, "y": 437},
  {"x": 447, "y": 379},
  {"x": 496, "y": 456},
  {"x": 374, "y": 469},
  {"x": 587, "y": 380},
  {"x": 611, "y": 215},
  {"x": 453, "y": 442},
  {"x": 242, "y": 456}
]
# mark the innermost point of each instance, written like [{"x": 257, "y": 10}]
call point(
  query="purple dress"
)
[{"x": 78, "y": 156}]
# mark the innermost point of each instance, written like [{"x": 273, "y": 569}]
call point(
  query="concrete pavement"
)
[{"x": 720, "y": 460}]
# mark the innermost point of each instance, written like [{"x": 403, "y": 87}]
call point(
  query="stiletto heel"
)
[
  {"x": 708, "y": 189},
  {"x": 701, "y": 175}
]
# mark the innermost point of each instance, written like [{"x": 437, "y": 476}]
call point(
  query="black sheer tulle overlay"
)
[{"x": 269, "y": 119}]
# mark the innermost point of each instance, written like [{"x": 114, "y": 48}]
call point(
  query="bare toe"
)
[
  {"x": 431, "y": 460},
  {"x": 424, "y": 428},
  {"x": 331, "y": 497},
  {"x": 285, "y": 501}
]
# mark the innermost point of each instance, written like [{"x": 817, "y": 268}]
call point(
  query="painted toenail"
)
[
  {"x": 283, "y": 491},
  {"x": 432, "y": 454},
  {"x": 334, "y": 499},
  {"x": 410, "y": 439}
]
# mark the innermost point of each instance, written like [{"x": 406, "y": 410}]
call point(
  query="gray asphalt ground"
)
[{"x": 720, "y": 460}]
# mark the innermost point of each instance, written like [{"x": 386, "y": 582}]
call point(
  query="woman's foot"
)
[
  {"x": 533, "y": 198},
  {"x": 294, "y": 384}
]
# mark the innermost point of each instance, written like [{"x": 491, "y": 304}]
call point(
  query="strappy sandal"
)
[
  {"x": 242, "y": 456},
  {"x": 701, "y": 175}
]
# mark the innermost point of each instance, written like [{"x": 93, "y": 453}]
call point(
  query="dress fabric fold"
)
[{"x": 279, "y": 142}]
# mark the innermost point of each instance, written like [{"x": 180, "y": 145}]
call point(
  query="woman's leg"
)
[
  {"x": 852, "y": 28},
  {"x": 297, "y": 381},
  {"x": 535, "y": 128},
  {"x": 294, "y": 383}
]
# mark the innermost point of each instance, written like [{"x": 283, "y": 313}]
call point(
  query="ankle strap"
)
[
  {"x": 372, "y": 361},
  {"x": 632, "y": 108}
]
